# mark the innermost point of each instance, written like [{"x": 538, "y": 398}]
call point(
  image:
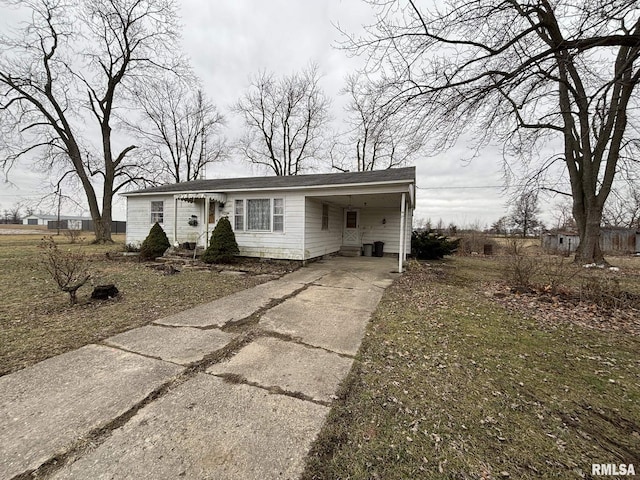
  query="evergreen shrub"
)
[
  {"x": 155, "y": 244},
  {"x": 222, "y": 246}
]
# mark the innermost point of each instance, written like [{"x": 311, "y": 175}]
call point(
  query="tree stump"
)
[{"x": 104, "y": 292}]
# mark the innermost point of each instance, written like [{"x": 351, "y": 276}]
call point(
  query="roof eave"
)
[{"x": 305, "y": 187}]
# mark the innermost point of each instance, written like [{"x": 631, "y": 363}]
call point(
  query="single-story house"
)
[
  {"x": 613, "y": 240},
  {"x": 284, "y": 217}
]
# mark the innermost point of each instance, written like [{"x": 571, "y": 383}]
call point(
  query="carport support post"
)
[
  {"x": 175, "y": 221},
  {"x": 402, "y": 233},
  {"x": 207, "y": 212}
]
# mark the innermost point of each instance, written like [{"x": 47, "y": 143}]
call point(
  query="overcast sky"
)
[{"x": 227, "y": 41}]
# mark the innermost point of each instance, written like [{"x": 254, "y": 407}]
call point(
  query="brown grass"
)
[
  {"x": 37, "y": 322},
  {"x": 448, "y": 384}
]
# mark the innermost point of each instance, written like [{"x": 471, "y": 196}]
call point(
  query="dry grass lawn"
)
[
  {"x": 37, "y": 322},
  {"x": 449, "y": 384}
]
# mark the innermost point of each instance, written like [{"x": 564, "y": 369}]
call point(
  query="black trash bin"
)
[{"x": 378, "y": 249}]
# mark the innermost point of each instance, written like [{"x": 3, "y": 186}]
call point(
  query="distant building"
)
[
  {"x": 612, "y": 241},
  {"x": 68, "y": 222}
]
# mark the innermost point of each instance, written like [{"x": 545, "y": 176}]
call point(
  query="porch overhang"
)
[{"x": 192, "y": 197}]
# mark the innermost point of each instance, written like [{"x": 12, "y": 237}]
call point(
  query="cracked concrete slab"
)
[
  {"x": 48, "y": 407},
  {"x": 236, "y": 306},
  {"x": 357, "y": 278},
  {"x": 183, "y": 345},
  {"x": 219, "y": 312},
  {"x": 314, "y": 318},
  {"x": 270, "y": 362},
  {"x": 208, "y": 429},
  {"x": 362, "y": 299},
  {"x": 307, "y": 274}
]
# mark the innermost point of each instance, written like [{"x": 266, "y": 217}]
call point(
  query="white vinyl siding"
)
[
  {"x": 325, "y": 216},
  {"x": 139, "y": 215},
  {"x": 375, "y": 231},
  {"x": 320, "y": 241},
  {"x": 285, "y": 244}
]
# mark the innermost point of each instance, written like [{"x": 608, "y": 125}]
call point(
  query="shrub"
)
[
  {"x": 222, "y": 246},
  {"x": 520, "y": 268},
  {"x": 155, "y": 244},
  {"x": 474, "y": 242},
  {"x": 73, "y": 235},
  {"x": 428, "y": 245},
  {"x": 68, "y": 269}
]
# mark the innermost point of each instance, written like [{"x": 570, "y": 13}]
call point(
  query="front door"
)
[{"x": 351, "y": 228}]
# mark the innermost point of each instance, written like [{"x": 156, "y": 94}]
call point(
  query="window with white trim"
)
[
  {"x": 238, "y": 215},
  {"x": 278, "y": 214},
  {"x": 157, "y": 211},
  {"x": 259, "y": 215}
]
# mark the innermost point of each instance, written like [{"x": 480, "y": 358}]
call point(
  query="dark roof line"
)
[{"x": 275, "y": 182}]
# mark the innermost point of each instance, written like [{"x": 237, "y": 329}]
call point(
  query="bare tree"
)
[
  {"x": 63, "y": 78},
  {"x": 500, "y": 226},
  {"x": 15, "y": 214},
  {"x": 524, "y": 213},
  {"x": 381, "y": 139},
  {"x": 285, "y": 120},
  {"x": 563, "y": 216},
  {"x": 523, "y": 72},
  {"x": 180, "y": 129},
  {"x": 623, "y": 209}
]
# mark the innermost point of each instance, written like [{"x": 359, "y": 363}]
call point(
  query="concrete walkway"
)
[{"x": 234, "y": 389}]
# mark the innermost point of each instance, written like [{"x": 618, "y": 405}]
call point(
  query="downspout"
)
[{"x": 401, "y": 251}]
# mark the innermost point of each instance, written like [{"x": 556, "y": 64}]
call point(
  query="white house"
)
[{"x": 294, "y": 217}]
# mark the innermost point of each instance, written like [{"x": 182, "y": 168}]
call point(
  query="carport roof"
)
[{"x": 392, "y": 175}]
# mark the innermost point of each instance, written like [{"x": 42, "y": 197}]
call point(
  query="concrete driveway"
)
[{"x": 234, "y": 389}]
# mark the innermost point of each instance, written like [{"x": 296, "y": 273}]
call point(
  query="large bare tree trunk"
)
[{"x": 588, "y": 223}]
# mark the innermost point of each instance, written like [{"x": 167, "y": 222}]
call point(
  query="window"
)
[
  {"x": 157, "y": 212},
  {"x": 238, "y": 215},
  {"x": 278, "y": 215},
  {"x": 325, "y": 216},
  {"x": 259, "y": 214},
  {"x": 352, "y": 219}
]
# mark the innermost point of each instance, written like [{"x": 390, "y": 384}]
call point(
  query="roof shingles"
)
[{"x": 275, "y": 182}]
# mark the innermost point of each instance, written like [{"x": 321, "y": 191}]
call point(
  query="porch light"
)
[{"x": 220, "y": 206}]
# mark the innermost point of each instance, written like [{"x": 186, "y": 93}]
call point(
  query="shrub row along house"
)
[{"x": 288, "y": 217}]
